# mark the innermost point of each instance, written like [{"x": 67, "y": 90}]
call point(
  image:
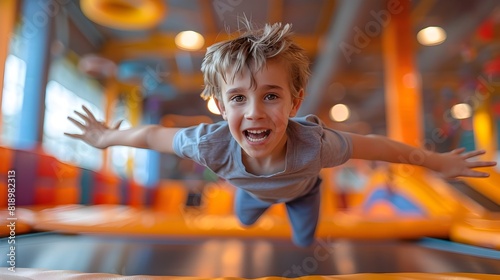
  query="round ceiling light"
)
[
  {"x": 125, "y": 14},
  {"x": 431, "y": 36},
  {"x": 189, "y": 40},
  {"x": 339, "y": 113}
]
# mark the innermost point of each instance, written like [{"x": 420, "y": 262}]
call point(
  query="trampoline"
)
[{"x": 247, "y": 258}]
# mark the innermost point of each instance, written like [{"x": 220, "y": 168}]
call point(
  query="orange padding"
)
[
  {"x": 125, "y": 220},
  {"x": 39, "y": 274},
  {"x": 479, "y": 231}
]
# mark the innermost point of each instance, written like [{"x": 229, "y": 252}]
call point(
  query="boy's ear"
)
[
  {"x": 220, "y": 106},
  {"x": 296, "y": 102}
]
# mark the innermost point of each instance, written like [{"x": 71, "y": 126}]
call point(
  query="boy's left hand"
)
[{"x": 458, "y": 164}]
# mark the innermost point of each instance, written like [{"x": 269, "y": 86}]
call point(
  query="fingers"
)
[
  {"x": 77, "y": 123},
  {"x": 474, "y": 153},
  {"x": 85, "y": 118},
  {"x": 477, "y": 174},
  {"x": 89, "y": 114},
  {"x": 479, "y": 163},
  {"x": 475, "y": 164},
  {"x": 73, "y": 135},
  {"x": 458, "y": 151},
  {"x": 88, "y": 117},
  {"x": 117, "y": 125}
]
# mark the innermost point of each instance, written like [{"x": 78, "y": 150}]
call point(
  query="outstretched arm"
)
[
  {"x": 97, "y": 134},
  {"x": 449, "y": 165}
]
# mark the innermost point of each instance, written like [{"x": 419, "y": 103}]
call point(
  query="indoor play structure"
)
[
  {"x": 411, "y": 205},
  {"x": 397, "y": 220},
  {"x": 394, "y": 204}
]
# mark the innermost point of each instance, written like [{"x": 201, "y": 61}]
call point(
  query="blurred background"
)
[
  {"x": 140, "y": 61},
  {"x": 424, "y": 72}
]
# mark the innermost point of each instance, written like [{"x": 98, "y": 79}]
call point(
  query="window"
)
[
  {"x": 60, "y": 103},
  {"x": 12, "y": 98}
]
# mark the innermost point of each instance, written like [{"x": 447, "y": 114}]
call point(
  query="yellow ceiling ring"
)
[{"x": 124, "y": 14}]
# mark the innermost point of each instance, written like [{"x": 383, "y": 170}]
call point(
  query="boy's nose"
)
[{"x": 254, "y": 111}]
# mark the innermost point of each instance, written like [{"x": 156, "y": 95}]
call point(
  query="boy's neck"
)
[{"x": 265, "y": 166}]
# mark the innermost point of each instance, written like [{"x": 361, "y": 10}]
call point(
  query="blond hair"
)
[{"x": 251, "y": 50}]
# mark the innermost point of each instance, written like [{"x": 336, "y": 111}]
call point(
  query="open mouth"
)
[{"x": 257, "y": 135}]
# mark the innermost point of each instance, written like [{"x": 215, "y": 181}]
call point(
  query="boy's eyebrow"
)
[
  {"x": 268, "y": 87},
  {"x": 263, "y": 87},
  {"x": 235, "y": 90}
]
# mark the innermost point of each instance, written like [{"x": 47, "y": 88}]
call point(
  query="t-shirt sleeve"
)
[
  {"x": 199, "y": 142},
  {"x": 186, "y": 142},
  {"x": 336, "y": 146}
]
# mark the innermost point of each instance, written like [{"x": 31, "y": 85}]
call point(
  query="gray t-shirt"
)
[{"x": 311, "y": 146}]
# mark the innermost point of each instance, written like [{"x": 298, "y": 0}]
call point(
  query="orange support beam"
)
[
  {"x": 134, "y": 106},
  {"x": 403, "y": 92},
  {"x": 7, "y": 19},
  {"x": 111, "y": 94}
]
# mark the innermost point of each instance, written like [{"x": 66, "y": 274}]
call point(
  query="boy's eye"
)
[
  {"x": 237, "y": 98},
  {"x": 271, "y": 96}
]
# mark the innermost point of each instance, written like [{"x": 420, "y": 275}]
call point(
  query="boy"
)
[{"x": 258, "y": 81}]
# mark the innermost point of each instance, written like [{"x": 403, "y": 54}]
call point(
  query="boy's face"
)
[{"x": 258, "y": 116}]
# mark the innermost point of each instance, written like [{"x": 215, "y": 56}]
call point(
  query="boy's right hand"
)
[{"x": 93, "y": 131}]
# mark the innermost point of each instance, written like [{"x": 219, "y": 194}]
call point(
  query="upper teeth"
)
[{"x": 257, "y": 131}]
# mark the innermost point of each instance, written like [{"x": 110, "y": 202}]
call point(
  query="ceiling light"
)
[
  {"x": 431, "y": 36},
  {"x": 189, "y": 40},
  {"x": 461, "y": 111},
  {"x": 125, "y": 14},
  {"x": 339, "y": 113}
]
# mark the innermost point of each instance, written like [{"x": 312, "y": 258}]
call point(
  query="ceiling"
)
[{"x": 473, "y": 32}]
